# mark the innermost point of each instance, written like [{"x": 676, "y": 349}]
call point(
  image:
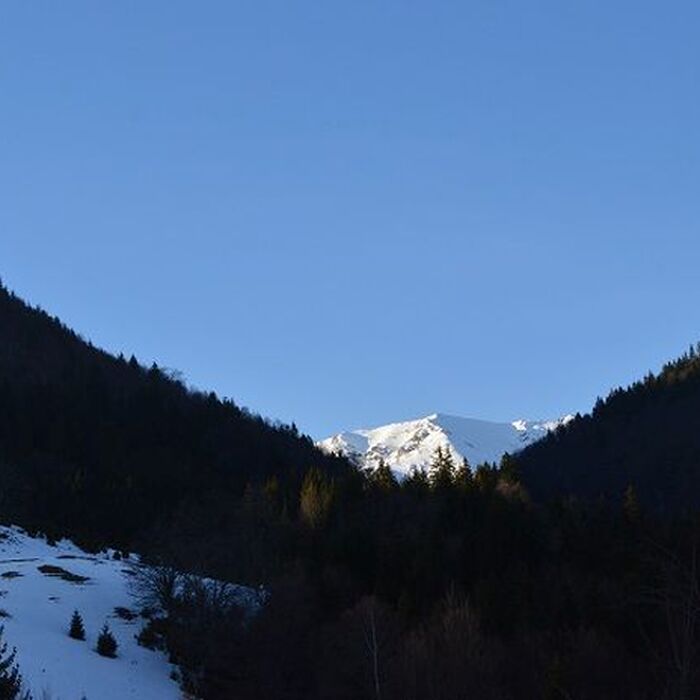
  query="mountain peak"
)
[{"x": 411, "y": 444}]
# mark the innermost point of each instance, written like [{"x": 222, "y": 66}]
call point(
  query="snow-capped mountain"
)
[{"x": 412, "y": 444}]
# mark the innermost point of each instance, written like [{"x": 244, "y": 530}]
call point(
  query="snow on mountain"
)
[
  {"x": 40, "y": 587},
  {"x": 412, "y": 444}
]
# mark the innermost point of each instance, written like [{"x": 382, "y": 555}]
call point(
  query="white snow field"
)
[
  {"x": 412, "y": 444},
  {"x": 39, "y": 607}
]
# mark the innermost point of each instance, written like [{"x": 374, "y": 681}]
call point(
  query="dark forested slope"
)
[
  {"x": 646, "y": 436},
  {"x": 451, "y": 584},
  {"x": 104, "y": 449}
]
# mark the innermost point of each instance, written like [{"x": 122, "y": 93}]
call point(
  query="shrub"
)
[
  {"x": 124, "y": 613},
  {"x": 149, "y": 637}
]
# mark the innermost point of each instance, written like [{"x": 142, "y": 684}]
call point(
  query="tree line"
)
[{"x": 450, "y": 584}]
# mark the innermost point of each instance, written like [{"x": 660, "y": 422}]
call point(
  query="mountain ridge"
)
[{"x": 408, "y": 445}]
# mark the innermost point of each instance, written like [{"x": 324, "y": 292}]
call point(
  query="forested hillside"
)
[
  {"x": 105, "y": 450},
  {"x": 463, "y": 582},
  {"x": 645, "y": 437}
]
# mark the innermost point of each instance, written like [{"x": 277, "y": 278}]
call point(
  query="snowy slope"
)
[
  {"x": 412, "y": 444},
  {"x": 39, "y": 607}
]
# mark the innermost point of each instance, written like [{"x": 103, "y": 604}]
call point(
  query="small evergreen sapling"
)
[
  {"x": 106, "y": 643},
  {"x": 77, "y": 629}
]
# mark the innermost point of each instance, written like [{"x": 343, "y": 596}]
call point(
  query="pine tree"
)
[
  {"x": 464, "y": 478},
  {"x": 315, "y": 498},
  {"x": 485, "y": 476},
  {"x": 442, "y": 469},
  {"x": 382, "y": 477},
  {"x": 509, "y": 469},
  {"x": 77, "y": 629},
  {"x": 106, "y": 643},
  {"x": 10, "y": 679},
  {"x": 416, "y": 481}
]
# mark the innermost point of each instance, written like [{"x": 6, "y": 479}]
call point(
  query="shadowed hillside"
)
[
  {"x": 104, "y": 449},
  {"x": 646, "y": 436}
]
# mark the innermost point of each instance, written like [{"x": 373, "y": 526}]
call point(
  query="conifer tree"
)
[
  {"x": 382, "y": 477},
  {"x": 463, "y": 475},
  {"x": 77, "y": 629},
  {"x": 10, "y": 679},
  {"x": 442, "y": 469},
  {"x": 416, "y": 481},
  {"x": 485, "y": 476},
  {"x": 315, "y": 498},
  {"x": 106, "y": 643},
  {"x": 509, "y": 469}
]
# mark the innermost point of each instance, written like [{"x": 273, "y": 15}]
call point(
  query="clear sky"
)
[{"x": 348, "y": 213}]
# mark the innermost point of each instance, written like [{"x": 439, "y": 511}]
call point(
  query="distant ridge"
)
[{"x": 411, "y": 444}]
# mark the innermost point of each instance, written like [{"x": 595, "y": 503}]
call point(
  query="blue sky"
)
[{"x": 346, "y": 213}]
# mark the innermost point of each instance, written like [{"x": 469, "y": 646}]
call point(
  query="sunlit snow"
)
[
  {"x": 38, "y": 608},
  {"x": 412, "y": 444}
]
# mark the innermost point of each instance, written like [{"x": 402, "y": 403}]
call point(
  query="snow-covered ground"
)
[
  {"x": 412, "y": 444},
  {"x": 39, "y": 607}
]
